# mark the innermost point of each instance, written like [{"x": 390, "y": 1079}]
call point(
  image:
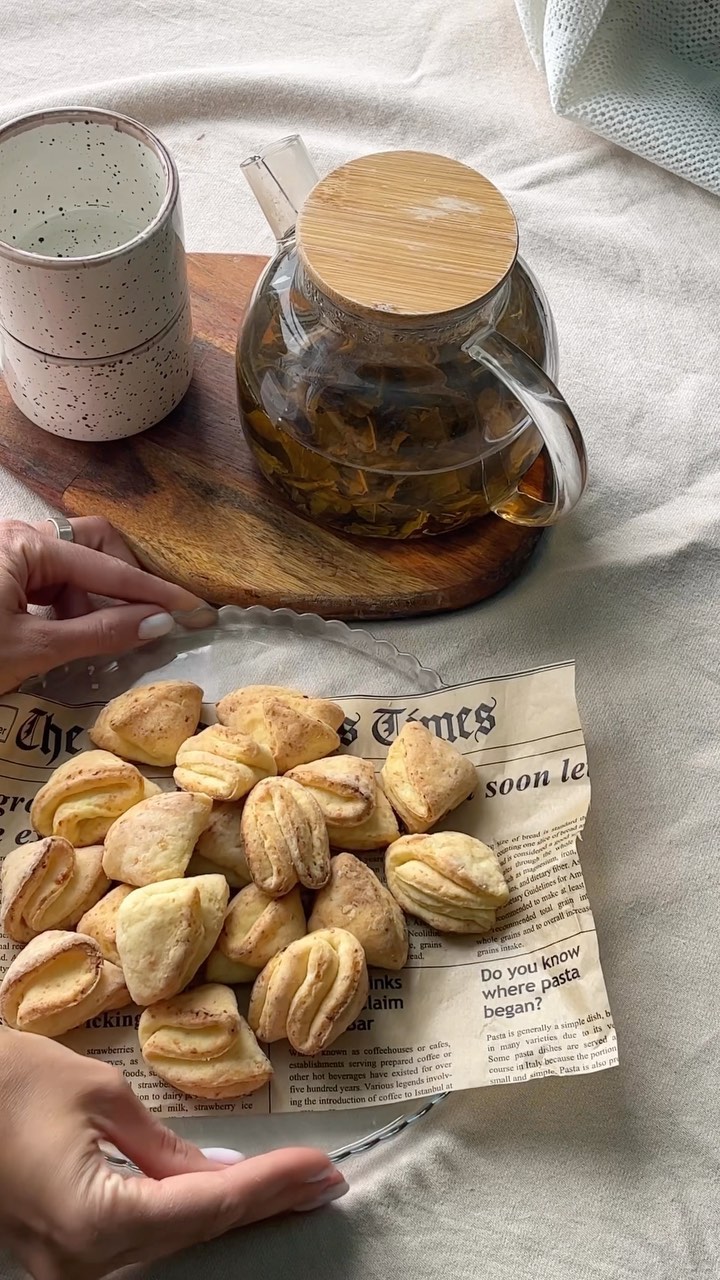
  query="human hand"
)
[
  {"x": 37, "y": 568},
  {"x": 69, "y": 1216}
]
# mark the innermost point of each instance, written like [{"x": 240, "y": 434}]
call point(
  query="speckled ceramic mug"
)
[
  {"x": 92, "y": 262},
  {"x": 105, "y": 399}
]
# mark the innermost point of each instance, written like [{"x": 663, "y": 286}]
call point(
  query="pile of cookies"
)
[{"x": 126, "y": 898}]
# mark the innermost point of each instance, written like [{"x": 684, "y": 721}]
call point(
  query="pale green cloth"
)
[{"x": 644, "y": 73}]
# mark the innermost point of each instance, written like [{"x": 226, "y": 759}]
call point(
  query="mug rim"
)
[{"x": 95, "y": 115}]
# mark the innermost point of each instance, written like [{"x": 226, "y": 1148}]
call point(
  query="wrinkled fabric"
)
[
  {"x": 645, "y": 74},
  {"x": 604, "y": 1177}
]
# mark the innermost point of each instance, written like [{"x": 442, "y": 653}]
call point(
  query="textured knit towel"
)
[{"x": 643, "y": 73}]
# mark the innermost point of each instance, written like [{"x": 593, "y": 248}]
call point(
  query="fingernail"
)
[
  {"x": 326, "y": 1174},
  {"x": 223, "y": 1155},
  {"x": 158, "y": 624},
  {"x": 204, "y": 615},
  {"x": 331, "y": 1193}
]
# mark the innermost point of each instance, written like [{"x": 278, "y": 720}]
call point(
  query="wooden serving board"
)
[{"x": 188, "y": 499}]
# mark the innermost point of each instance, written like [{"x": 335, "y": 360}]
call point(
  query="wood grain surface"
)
[
  {"x": 188, "y": 499},
  {"x": 428, "y": 234}
]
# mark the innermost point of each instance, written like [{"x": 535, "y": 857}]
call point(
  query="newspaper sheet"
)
[{"x": 528, "y": 1000}]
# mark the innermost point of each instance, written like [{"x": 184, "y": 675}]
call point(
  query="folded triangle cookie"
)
[
  {"x": 48, "y": 885},
  {"x": 85, "y": 795},
  {"x": 58, "y": 981},
  {"x": 149, "y": 723},
  {"x": 295, "y": 728},
  {"x": 165, "y": 931},
  {"x": 198, "y": 1043},
  {"x": 425, "y": 778},
  {"x": 154, "y": 840}
]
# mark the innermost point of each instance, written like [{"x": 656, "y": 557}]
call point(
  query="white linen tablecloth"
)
[{"x": 607, "y": 1176}]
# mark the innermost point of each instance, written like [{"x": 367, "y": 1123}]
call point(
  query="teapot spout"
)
[{"x": 280, "y": 178}]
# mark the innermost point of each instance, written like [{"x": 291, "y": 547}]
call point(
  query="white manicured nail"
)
[
  {"x": 223, "y": 1155},
  {"x": 324, "y": 1175},
  {"x": 334, "y": 1192},
  {"x": 158, "y": 624}
]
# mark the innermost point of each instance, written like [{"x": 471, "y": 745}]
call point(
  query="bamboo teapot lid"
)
[{"x": 407, "y": 233}]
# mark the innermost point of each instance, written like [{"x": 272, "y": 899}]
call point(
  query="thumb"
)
[{"x": 112, "y": 630}]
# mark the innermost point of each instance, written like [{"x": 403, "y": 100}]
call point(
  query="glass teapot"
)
[{"x": 396, "y": 364}]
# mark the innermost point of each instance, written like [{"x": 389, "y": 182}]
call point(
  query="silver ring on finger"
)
[{"x": 63, "y": 528}]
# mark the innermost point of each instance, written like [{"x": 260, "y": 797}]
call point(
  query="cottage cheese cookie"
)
[
  {"x": 57, "y": 982},
  {"x": 100, "y": 922},
  {"x": 425, "y": 778},
  {"x": 376, "y": 832},
  {"x": 311, "y": 992},
  {"x": 256, "y": 927},
  {"x": 220, "y": 847},
  {"x": 354, "y": 899},
  {"x": 48, "y": 885},
  {"x": 343, "y": 786},
  {"x": 155, "y": 839},
  {"x": 85, "y": 795},
  {"x": 198, "y": 1043},
  {"x": 285, "y": 837},
  {"x": 165, "y": 931},
  {"x": 451, "y": 881},
  {"x": 295, "y": 728},
  {"x": 222, "y": 764},
  {"x": 149, "y": 723}
]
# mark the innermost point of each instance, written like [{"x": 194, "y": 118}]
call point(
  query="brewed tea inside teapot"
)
[{"x": 396, "y": 364}]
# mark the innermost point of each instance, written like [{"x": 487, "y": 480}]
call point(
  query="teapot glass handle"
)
[{"x": 553, "y": 419}]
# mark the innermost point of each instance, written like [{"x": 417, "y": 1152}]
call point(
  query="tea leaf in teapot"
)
[{"x": 392, "y": 439}]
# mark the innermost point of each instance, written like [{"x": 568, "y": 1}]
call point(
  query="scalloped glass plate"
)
[{"x": 261, "y": 646}]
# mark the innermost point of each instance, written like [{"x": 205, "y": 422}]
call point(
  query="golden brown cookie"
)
[
  {"x": 451, "y": 881},
  {"x": 198, "y": 1043},
  {"x": 294, "y": 728},
  {"x": 311, "y": 992},
  {"x": 354, "y": 899},
  {"x": 165, "y": 931},
  {"x": 220, "y": 968},
  {"x": 344, "y": 787},
  {"x": 425, "y": 778},
  {"x": 220, "y": 847},
  {"x": 256, "y": 927},
  {"x": 57, "y": 982},
  {"x": 100, "y": 922},
  {"x": 376, "y": 832},
  {"x": 155, "y": 839},
  {"x": 149, "y": 723},
  {"x": 85, "y": 795},
  {"x": 48, "y": 885},
  {"x": 222, "y": 764},
  {"x": 285, "y": 837}
]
